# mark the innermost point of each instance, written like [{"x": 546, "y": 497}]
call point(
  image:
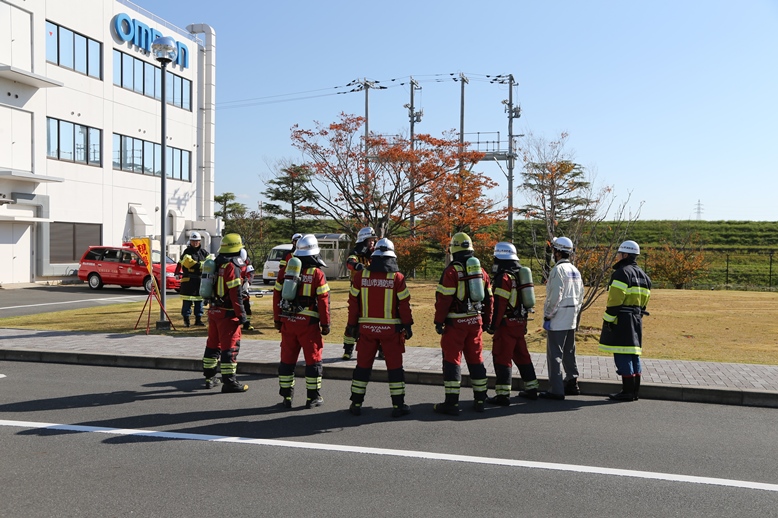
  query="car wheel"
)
[
  {"x": 95, "y": 282},
  {"x": 148, "y": 285}
]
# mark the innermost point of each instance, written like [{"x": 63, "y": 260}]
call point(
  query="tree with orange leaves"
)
[
  {"x": 392, "y": 182},
  {"x": 679, "y": 263}
]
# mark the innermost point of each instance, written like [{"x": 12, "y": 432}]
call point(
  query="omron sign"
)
[{"x": 142, "y": 36}]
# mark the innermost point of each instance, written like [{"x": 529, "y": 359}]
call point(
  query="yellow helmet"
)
[
  {"x": 231, "y": 244},
  {"x": 460, "y": 242}
]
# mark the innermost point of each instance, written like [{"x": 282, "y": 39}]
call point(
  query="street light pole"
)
[{"x": 164, "y": 49}]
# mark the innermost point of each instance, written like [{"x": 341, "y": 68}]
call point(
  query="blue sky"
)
[{"x": 671, "y": 101}]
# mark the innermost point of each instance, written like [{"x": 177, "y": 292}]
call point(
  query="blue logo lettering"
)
[{"x": 142, "y": 36}]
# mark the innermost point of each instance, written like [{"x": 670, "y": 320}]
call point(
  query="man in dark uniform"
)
[{"x": 190, "y": 267}]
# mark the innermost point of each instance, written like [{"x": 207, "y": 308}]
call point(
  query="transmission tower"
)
[{"x": 698, "y": 210}]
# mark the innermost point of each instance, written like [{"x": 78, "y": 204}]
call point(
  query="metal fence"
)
[{"x": 728, "y": 269}]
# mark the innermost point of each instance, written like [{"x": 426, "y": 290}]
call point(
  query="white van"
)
[{"x": 270, "y": 270}]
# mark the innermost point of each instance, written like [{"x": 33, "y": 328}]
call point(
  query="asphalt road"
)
[
  {"x": 45, "y": 299},
  {"x": 120, "y": 452}
]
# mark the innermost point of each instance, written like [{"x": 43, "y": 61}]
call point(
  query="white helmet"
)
[
  {"x": 563, "y": 244},
  {"x": 249, "y": 268},
  {"x": 307, "y": 245},
  {"x": 384, "y": 248},
  {"x": 296, "y": 236},
  {"x": 505, "y": 251},
  {"x": 243, "y": 254},
  {"x": 629, "y": 247},
  {"x": 194, "y": 236},
  {"x": 365, "y": 233}
]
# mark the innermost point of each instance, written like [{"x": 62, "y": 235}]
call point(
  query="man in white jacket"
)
[{"x": 564, "y": 298}]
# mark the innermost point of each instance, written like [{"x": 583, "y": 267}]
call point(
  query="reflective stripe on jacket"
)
[
  {"x": 629, "y": 290},
  {"x": 379, "y": 298}
]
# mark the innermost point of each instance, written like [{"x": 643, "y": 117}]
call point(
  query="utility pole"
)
[
  {"x": 513, "y": 113},
  {"x": 463, "y": 80},
  {"x": 414, "y": 116},
  {"x": 366, "y": 86}
]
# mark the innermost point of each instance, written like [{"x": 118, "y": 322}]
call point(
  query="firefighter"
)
[
  {"x": 225, "y": 317},
  {"x": 299, "y": 322},
  {"x": 622, "y": 329},
  {"x": 358, "y": 260},
  {"x": 190, "y": 267},
  {"x": 379, "y": 313},
  {"x": 509, "y": 326},
  {"x": 460, "y": 319},
  {"x": 295, "y": 237},
  {"x": 248, "y": 279}
]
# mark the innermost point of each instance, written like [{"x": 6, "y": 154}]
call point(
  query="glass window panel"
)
[
  {"x": 79, "y": 51},
  {"x": 95, "y": 60},
  {"x": 116, "y": 153},
  {"x": 157, "y": 83},
  {"x": 65, "y": 47},
  {"x": 169, "y": 162},
  {"x": 52, "y": 45},
  {"x": 157, "y": 160},
  {"x": 66, "y": 139},
  {"x": 138, "y": 83},
  {"x": 176, "y": 164},
  {"x": 186, "y": 172},
  {"x": 95, "y": 146},
  {"x": 126, "y": 153},
  {"x": 52, "y": 138},
  {"x": 127, "y": 71},
  {"x": 148, "y": 158},
  {"x": 80, "y": 149},
  {"x": 169, "y": 88},
  {"x": 148, "y": 80},
  {"x": 177, "y": 91},
  {"x": 186, "y": 95},
  {"x": 117, "y": 68},
  {"x": 137, "y": 155}
]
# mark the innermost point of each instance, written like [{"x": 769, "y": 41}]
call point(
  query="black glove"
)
[
  {"x": 439, "y": 328},
  {"x": 277, "y": 325},
  {"x": 325, "y": 329},
  {"x": 359, "y": 267},
  {"x": 408, "y": 331},
  {"x": 352, "y": 331},
  {"x": 488, "y": 329}
]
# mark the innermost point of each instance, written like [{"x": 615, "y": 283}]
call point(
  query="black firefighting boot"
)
[
  {"x": 397, "y": 392},
  {"x": 313, "y": 385},
  {"x": 502, "y": 386},
  {"x": 637, "y": 387},
  {"x": 571, "y": 387},
  {"x": 449, "y": 407},
  {"x": 186, "y": 322},
  {"x": 348, "y": 351},
  {"x": 232, "y": 385},
  {"x": 286, "y": 383},
  {"x": 211, "y": 367},
  {"x": 628, "y": 390},
  {"x": 198, "y": 322},
  {"x": 479, "y": 382},
  {"x": 530, "y": 381},
  {"x": 359, "y": 381}
]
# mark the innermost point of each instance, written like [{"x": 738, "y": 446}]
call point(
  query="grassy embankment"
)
[{"x": 720, "y": 326}]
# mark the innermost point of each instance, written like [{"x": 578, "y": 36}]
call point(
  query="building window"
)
[
  {"x": 72, "y": 50},
  {"x": 141, "y": 156},
  {"x": 144, "y": 78},
  {"x": 73, "y": 142},
  {"x": 69, "y": 241}
]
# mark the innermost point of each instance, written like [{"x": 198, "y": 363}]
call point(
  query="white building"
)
[{"x": 80, "y": 133}]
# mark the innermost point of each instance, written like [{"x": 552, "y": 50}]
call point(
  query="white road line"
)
[
  {"x": 128, "y": 297},
  {"x": 402, "y": 453}
]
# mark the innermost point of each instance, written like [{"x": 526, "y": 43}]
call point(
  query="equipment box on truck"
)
[{"x": 272, "y": 264}]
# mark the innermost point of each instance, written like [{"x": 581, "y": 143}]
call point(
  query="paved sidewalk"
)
[{"x": 722, "y": 383}]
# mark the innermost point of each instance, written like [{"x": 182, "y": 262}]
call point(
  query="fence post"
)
[
  {"x": 726, "y": 277},
  {"x": 770, "y": 277}
]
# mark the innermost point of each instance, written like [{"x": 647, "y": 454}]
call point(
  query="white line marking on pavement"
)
[
  {"x": 401, "y": 453},
  {"x": 128, "y": 297},
  {"x": 2, "y": 375}
]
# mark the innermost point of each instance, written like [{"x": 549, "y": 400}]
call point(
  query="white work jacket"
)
[{"x": 564, "y": 296}]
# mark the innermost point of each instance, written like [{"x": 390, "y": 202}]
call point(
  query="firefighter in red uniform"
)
[
  {"x": 282, "y": 263},
  {"x": 509, "y": 325},
  {"x": 460, "y": 319},
  {"x": 299, "y": 320},
  {"x": 225, "y": 317},
  {"x": 357, "y": 261},
  {"x": 379, "y": 313}
]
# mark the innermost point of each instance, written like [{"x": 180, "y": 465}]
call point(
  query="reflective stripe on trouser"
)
[
  {"x": 224, "y": 335},
  {"x": 313, "y": 379},
  {"x": 502, "y": 384},
  {"x": 529, "y": 377},
  {"x": 285, "y": 380},
  {"x": 210, "y": 362},
  {"x": 349, "y": 341},
  {"x": 478, "y": 380},
  {"x": 359, "y": 381}
]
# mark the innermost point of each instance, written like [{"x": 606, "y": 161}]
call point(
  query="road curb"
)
[{"x": 720, "y": 396}]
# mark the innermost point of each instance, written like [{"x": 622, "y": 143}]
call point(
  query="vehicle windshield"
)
[
  {"x": 277, "y": 254},
  {"x": 155, "y": 255}
]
